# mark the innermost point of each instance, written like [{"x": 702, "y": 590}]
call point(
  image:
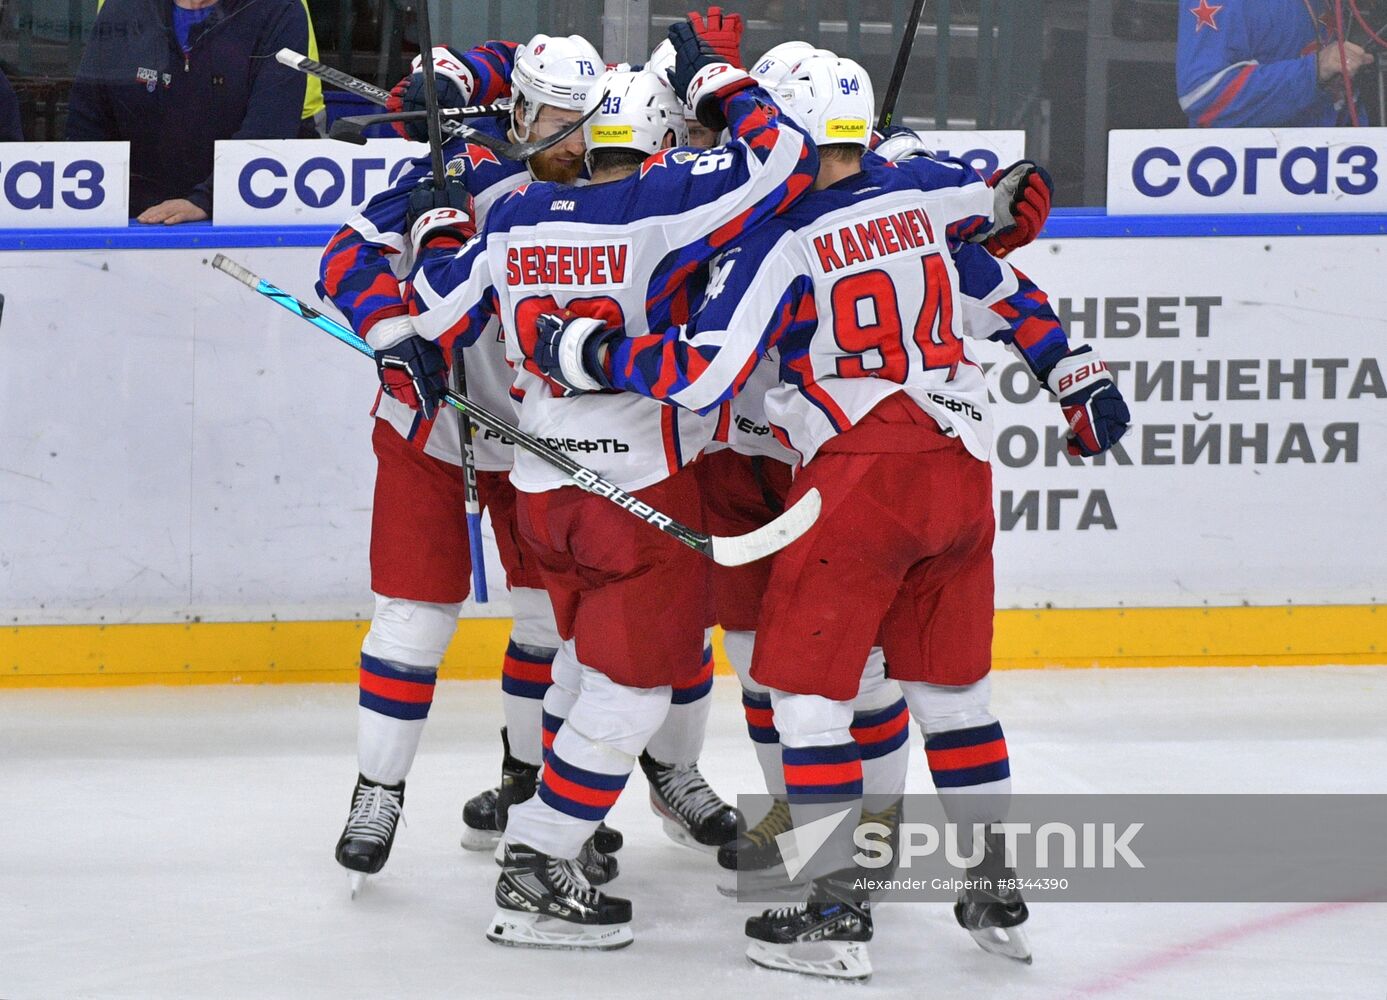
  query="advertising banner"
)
[
  {"x": 1216, "y": 170},
  {"x": 1255, "y": 470},
  {"x": 64, "y": 184},
  {"x": 298, "y": 182},
  {"x": 985, "y": 151}
]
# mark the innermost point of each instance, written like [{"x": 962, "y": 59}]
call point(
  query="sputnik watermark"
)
[{"x": 1051, "y": 845}]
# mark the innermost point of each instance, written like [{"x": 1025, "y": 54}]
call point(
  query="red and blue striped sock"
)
[
  {"x": 578, "y": 792},
  {"x": 526, "y": 675},
  {"x": 394, "y": 704},
  {"x": 679, "y": 740},
  {"x": 883, "y": 736},
  {"x": 396, "y": 691},
  {"x": 823, "y": 772},
  {"x": 968, "y": 758}
]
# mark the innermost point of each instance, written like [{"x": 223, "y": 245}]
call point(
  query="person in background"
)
[
  {"x": 174, "y": 76},
  {"x": 11, "y": 129},
  {"x": 314, "y": 122},
  {"x": 1266, "y": 63}
]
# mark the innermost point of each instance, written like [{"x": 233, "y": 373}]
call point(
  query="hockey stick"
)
[
  {"x": 352, "y": 128},
  {"x": 378, "y": 95},
  {"x": 893, "y": 86},
  {"x": 457, "y": 369},
  {"x": 726, "y": 550}
]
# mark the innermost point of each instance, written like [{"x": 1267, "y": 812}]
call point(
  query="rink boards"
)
[{"x": 185, "y": 481}]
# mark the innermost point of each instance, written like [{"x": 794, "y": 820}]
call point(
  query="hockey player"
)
[
  {"x": 745, "y": 478},
  {"x": 629, "y": 601},
  {"x": 887, "y": 412},
  {"x": 748, "y": 484},
  {"x": 420, "y": 562}
]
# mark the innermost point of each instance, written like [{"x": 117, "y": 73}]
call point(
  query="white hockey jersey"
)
[{"x": 631, "y": 251}]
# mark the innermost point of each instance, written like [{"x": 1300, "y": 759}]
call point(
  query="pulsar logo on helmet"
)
[
  {"x": 846, "y": 128},
  {"x": 610, "y": 133}
]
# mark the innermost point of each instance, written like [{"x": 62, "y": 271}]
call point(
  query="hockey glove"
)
[
  {"x": 570, "y": 349},
  {"x": 1093, "y": 407},
  {"x": 1022, "y": 204},
  {"x": 898, "y": 143},
  {"x": 455, "y": 87},
  {"x": 703, "y": 77},
  {"x": 411, "y": 368},
  {"x": 439, "y": 218},
  {"x": 722, "y": 32}
]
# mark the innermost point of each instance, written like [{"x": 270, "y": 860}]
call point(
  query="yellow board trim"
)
[{"x": 301, "y": 652}]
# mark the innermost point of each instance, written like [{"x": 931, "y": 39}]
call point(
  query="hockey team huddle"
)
[{"x": 723, "y": 290}]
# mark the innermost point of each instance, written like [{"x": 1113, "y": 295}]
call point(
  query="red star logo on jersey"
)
[
  {"x": 1204, "y": 15},
  {"x": 477, "y": 155},
  {"x": 657, "y": 160}
]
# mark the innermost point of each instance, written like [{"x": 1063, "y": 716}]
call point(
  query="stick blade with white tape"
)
[{"x": 738, "y": 550}]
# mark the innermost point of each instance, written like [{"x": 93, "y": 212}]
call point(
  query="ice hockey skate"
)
[
  {"x": 364, "y": 846},
  {"x": 691, "y": 813},
  {"x": 756, "y": 850},
  {"x": 992, "y": 915},
  {"x": 480, "y": 831},
  {"x": 545, "y": 902},
  {"x": 825, "y": 936}
]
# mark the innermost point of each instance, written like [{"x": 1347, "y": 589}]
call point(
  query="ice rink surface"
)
[{"x": 177, "y": 843}]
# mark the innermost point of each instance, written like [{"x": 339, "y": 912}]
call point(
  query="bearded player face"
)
[{"x": 562, "y": 162}]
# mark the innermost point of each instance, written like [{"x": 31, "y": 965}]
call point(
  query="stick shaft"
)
[
  {"x": 893, "y": 87},
  {"x": 581, "y": 476}
]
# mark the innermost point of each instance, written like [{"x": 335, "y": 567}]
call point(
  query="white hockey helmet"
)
[
  {"x": 775, "y": 65},
  {"x": 661, "y": 61},
  {"x": 831, "y": 97},
  {"x": 555, "y": 70},
  {"x": 634, "y": 111}
]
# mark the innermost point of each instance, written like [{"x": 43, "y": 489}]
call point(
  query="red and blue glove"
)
[
  {"x": 570, "y": 349},
  {"x": 439, "y": 217},
  {"x": 1092, "y": 405},
  {"x": 455, "y": 86},
  {"x": 1023, "y": 195},
  {"x": 411, "y": 368},
  {"x": 722, "y": 32},
  {"x": 702, "y": 76}
]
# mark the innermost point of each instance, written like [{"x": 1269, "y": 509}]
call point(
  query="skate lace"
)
[
  {"x": 568, "y": 878},
  {"x": 688, "y": 793},
  {"x": 374, "y": 814},
  {"x": 775, "y": 822}
]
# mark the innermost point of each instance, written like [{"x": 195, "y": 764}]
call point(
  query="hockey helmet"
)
[
  {"x": 775, "y": 65},
  {"x": 555, "y": 70},
  {"x": 633, "y": 111},
  {"x": 831, "y": 97}
]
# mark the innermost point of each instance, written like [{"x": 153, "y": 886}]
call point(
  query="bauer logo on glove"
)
[{"x": 1093, "y": 407}]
